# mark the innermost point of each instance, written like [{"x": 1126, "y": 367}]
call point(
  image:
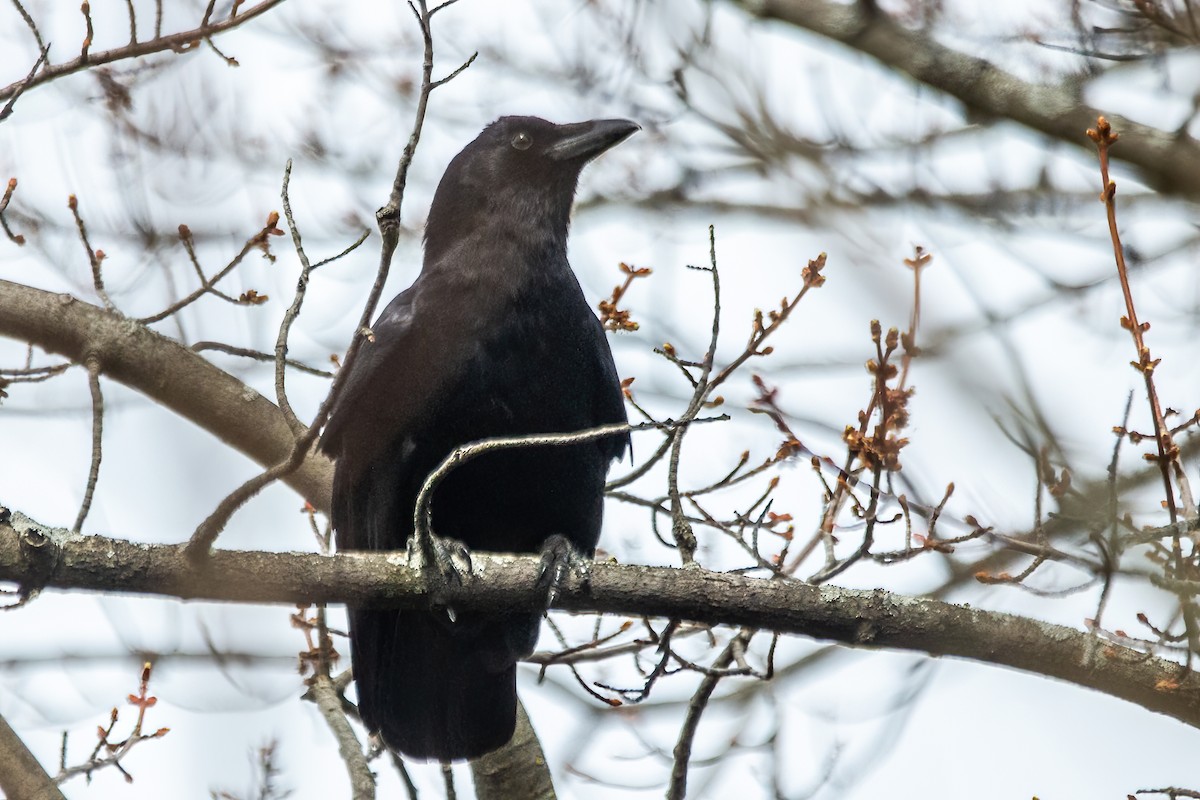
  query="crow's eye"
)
[{"x": 522, "y": 141}]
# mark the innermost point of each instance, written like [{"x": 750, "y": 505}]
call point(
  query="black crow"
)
[{"x": 494, "y": 338}]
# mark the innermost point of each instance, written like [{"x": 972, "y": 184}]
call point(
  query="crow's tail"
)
[{"x": 435, "y": 688}]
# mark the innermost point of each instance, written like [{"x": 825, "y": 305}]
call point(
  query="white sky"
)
[{"x": 974, "y": 730}]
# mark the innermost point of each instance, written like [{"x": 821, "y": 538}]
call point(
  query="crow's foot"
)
[
  {"x": 443, "y": 561},
  {"x": 557, "y": 558}
]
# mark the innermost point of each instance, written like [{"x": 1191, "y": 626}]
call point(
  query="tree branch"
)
[
  {"x": 515, "y": 770},
  {"x": 21, "y": 776},
  {"x": 1170, "y": 162},
  {"x": 37, "y": 556},
  {"x": 164, "y": 371},
  {"x": 362, "y": 782}
]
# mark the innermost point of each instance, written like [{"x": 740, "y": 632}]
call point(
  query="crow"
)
[{"x": 493, "y": 338}]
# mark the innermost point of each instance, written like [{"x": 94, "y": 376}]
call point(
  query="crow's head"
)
[{"x": 520, "y": 171}]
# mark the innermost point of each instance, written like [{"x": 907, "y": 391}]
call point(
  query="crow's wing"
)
[{"x": 396, "y": 377}]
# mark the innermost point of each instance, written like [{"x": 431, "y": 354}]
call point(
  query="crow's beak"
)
[{"x": 583, "y": 141}]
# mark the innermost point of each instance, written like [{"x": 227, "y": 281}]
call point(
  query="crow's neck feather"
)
[{"x": 533, "y": 221}]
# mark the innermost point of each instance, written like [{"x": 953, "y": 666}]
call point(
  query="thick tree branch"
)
[
  {"x": 165, "y": 371},
  {"x": 516, "y": 770},
  {"x": 1170, "y": 162},
  {"x": 40, "y": 556},
  {"x": 21, "y": 776}
]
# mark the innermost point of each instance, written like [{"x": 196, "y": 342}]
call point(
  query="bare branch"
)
[
  {"x": 95, "y": 257},
  {"x": 853, "y": 617},
  {"x": 20, "y": 773},
  {"x": 6, "y": 112},
  {"x": 259, "y": 356},
  {"x": 1169, "y": 161},
  {"x": 519, "y": 769},
  {"x": 422, "y": 510},
  {"x": 165, "y": 371},
  {"x": 285, "y": 326},
  {"x": 176, "y": 42},
  {"x": 329, "y": 701},
  {"x": 15, "y": 238},
  {"x": 1168, "y": 452},
  {"x": 90, "y": 32},
  {"x": 259, "y": 240},
  {"x": 677, "y": 789},
  {"x": 93, "y": 370},
  {"x": 37, "y": 35},
  {"x": 108, "y": 751}
]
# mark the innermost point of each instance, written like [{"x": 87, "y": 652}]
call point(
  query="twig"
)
[
  {"x": 1110, "y": 550},
  {"x": 661, "y": 667},
  {"x": 1168, "y": 453},
  {"x": 293, "y": 312},
  {"x": 681, "y": 529},
  {"x": 132, "y": 21},
  {"x": 6, "y": 112},
  {"x": 258, "y": 355},
  {"x": 677, "y": 788},
  {"x": 258, "y": 240},
  {"x": 34, "y": 374},
  {"x": 443, "y": 6},
  {"x": 95, "y": 257},
  {"x": 362, "y": 782},
  {"x": 285, "y": 326},
  {"x": 362, "y": 238},
  {"x": 448, "y": 782},
  {"x": 37, "y": 35},
  {"x": 115, "y": 751},
  {"x": 614, "y": 318},
  {"x": 422, "y": 510},
  {"x": 409, "y": 787},
  {"x": 90, "y": 33},
  {"x": 93, "y": 371},
  {"x": 456, "y": 72},
  {"x": 176, "y": 42},
  {"x": 641, "y": 469},
  {"x": 15, "y": 238},
  {"x": 593, "y": 651},
  {"x": 208, "y": 39}
]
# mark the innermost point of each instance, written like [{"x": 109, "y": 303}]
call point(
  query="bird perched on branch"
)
[{"x": 494, "y": 338}]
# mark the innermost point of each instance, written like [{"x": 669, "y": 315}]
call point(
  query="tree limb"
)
[
  {"x": 38, "y": 556},
  {"x": 165, "y": 371},
  {"x": 362, "y": 782},
  {"x": 516, "y": 770},
  {"x": 21, "y": 776},
  {"x": 1170, "y": 162}
]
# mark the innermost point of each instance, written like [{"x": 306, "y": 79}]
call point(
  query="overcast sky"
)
[{"x": 859, "y": 724}]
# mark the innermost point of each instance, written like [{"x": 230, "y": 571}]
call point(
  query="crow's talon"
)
[
  {"x": 558, "y": 556},
  {"x": 443, "y": 561}
]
